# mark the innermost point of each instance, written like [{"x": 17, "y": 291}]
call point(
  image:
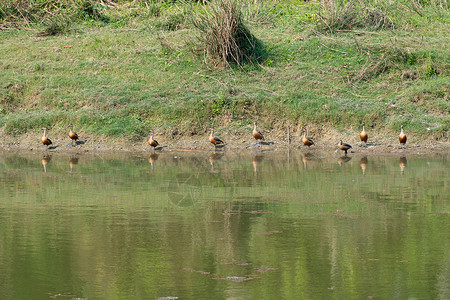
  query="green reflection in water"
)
[{"x": 220, "y": 226}]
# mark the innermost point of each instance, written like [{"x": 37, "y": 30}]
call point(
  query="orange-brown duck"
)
[
  {"x": 44, "y": 139},
  {"x": 73, "y": 135},
  {"x": 363, "y": 135},
  {"x": 257, "y": 135},
  {"x": 215, "y": 140},
  {"x": 344, "y": 147},
  {"x": 151, "y": 141},
  {"x": 402, "y": 137},
  {"x": 305, "y": 140}
]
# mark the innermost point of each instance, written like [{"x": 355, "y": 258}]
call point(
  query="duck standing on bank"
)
[
  {"x": 344, "y": 147},
  {"x": 73, "y": 136},
  {"x": 305, "y": 140},
  {"x": 363, "y": 136},
  {"x": 151, "y": 141},
  {"x": 402, "y": 137},
  {"x": 257, "y": 135},
  {"x": 44, "y": 139},
  {"x": 215, "y": 140}
]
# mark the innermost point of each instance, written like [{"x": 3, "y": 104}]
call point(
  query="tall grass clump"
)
[
  {"x": 55, "y": 15},
  {"x": 336, "y": 15},
  {"x": 226, "y": 39}
]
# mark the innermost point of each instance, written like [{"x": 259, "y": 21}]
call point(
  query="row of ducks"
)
[{"x": 259, "y": 137}]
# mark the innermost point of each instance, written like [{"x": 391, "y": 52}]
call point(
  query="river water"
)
[{"x": 251, "y": 225}]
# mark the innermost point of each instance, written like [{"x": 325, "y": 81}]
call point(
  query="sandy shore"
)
[{"x": 377, "y": 144}]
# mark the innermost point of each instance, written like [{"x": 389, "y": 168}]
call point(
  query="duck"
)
[
  {"x": 215, "y": 140},
  {"x": 73, "y": 135},
  {"x": 257, "y": 135},
  {"x": 344, "y": 147},
  {"x": 402, "y": 137},
  {"x": 363, "y": 136},
  {"x": 44, "y": 139},
  {"x": 306, "y": 141},
  {"x": 151, "y": 141}
]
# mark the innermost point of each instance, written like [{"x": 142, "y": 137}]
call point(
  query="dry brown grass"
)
[
  {"x": 226, "y": 39},
  {"x": 337, "y": 15}
]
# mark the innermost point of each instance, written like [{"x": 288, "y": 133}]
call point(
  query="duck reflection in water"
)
[
  {"x": 363, "y": 163},
  {"x": 152, "y": 159},
  {"x": 344, "y": 159},
  {"x": 402, "y": 163},
  {"x": 256, "y": 161},
  {"x": 45, "y": 160},
  {"x": 213, "y": 157},
  {"x": 73, "y": 161},
  {"x": 305, "y": 158}
]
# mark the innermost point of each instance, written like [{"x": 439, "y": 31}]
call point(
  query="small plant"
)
[
  {"x": 55, "y": 25},
  {"x": 171, "y": 23},
  {"x": 429, "y": 69},
  {"x": 225, "y": 37},
  {"x": 91, "y": 10}
]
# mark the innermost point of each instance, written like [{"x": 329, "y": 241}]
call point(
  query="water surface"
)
[{"x": 254, "y": 225}]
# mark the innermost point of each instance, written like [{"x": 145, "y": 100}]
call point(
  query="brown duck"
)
[
  {"x": 402, "y": 137},
  {"x": 257, "y": 135},
  {"x": 73, "y": 135},
  {"x": 215, "y": 140},
  {"x": 305, "y": 140},
  {"x": 151, "y": 141},
  {"x": 344, "y": 147},
  {"x": 363, "y": 135},
  {"x": 44, "y": 139}
]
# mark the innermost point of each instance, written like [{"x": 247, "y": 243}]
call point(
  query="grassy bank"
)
[{"x": 141, "y": 65}]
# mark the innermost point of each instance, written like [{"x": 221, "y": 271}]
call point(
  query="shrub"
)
[{"x": 225, "y": 37}]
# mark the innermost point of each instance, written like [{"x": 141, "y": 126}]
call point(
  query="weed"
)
[{"x": 171, "y": 22}]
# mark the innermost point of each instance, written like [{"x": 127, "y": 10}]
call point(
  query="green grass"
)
[{"x": 143, "y": 67}]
